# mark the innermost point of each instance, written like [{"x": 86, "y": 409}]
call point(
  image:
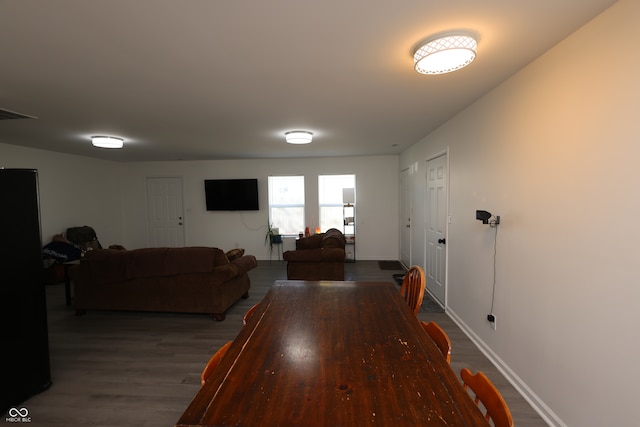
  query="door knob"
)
[{"x": 442, "y": 241}]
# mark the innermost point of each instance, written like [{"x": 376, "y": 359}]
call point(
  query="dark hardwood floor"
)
[{"x": 143, "y": 369}]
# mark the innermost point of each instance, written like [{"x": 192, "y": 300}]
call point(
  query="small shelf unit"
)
[{"x": 349, "y": 231}]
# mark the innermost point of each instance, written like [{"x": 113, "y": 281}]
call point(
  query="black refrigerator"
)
[{"x": 24, "y": 370}]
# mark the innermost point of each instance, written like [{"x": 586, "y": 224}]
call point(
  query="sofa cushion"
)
[
  {"x": 148, "y": 262},
  {"x": 104, "y": 266},
  {"x": 108, "y": 265},
  {"x": 151, "y": 262},
  {"x": 219, "y": 257},
  {"x": 333, "y": 238},
  {"x": 190, "y": 260},
  {"x": 311, "y": 242}
]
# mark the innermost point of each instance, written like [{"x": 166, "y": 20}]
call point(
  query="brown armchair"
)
[{"x": 317, "y": 257}]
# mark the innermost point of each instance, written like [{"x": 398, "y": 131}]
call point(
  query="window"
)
[
  {"x": 286, "y": 204},
  {"x": 330, "y": 199}
]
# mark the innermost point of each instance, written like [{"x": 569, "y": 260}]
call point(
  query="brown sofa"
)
[
  {"x": 317, "y": 257},
  {"x": 185, "y": 280}
]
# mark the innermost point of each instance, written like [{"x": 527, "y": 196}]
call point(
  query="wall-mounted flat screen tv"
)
[{"x": 231, "y": 194}]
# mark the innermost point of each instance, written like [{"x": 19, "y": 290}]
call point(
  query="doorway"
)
[
  {"x": 405, "y": 218},
  {"x": 165, "y": 212}
]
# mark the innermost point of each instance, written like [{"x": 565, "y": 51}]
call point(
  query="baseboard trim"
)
[
  {"x": 435, "y": 300},
  {"x": 538, "y": 404}
]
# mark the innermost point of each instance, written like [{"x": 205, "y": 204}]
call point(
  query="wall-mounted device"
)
[
  {"x": 493, "y": 221},
  {"x": 485, "y": 217}
]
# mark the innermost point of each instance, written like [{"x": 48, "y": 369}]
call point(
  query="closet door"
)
[{"x": 23, "y": 327}]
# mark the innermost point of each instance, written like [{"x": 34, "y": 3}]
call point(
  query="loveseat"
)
[
  {"x": 185, "y": 280},
  {"x": 317, "y": 257}
]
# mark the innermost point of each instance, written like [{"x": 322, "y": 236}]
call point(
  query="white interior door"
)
[
  {"x": 405, "y": 218},
  {"x": 165, "y": 212},
  {"x": 436, "y": 227}
]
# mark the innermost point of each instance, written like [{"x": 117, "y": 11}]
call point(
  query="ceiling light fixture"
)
[
  {"x": 107, "y": 141},
  {"x": 445, "y": 53},
  {"x": 298, "y": 137}
]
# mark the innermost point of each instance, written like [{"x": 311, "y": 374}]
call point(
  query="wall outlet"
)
[{"x": 492, "y": 320}]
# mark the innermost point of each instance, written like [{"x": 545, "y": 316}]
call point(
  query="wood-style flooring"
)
[{"x": 142, "y": 369}]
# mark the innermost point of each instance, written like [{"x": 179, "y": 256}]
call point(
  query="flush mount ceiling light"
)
[
  {"x": 445, "y": 53},
  {"x": 298, "y": 137},
  {"x": 107, "y": 141}
]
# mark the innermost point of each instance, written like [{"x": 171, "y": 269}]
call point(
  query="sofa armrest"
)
[
  {"x": 224, "y": 273},
  {"x": 245, "y": 263},
  {"x": 333, "y": 254}
]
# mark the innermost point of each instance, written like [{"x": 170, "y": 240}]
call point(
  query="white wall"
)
[
  {"x": 74, "y": 191},
  {"x": 377, "y": 184},
  {"x": 554, "y": 151},
  {"x": 111, "y": 197}
]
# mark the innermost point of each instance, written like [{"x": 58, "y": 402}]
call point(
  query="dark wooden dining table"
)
[{"x": 332, "y": 353}]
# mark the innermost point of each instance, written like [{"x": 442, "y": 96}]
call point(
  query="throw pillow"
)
[{"x": 234, "y": 254}]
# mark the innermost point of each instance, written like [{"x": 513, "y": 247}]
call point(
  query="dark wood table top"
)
[{"x": 332, "y": 354}]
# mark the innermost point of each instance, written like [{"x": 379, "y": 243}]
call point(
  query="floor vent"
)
[{"x": 8, "y": 115}]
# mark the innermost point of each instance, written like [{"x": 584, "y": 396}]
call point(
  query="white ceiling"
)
[{"x": 224, "y": 79}]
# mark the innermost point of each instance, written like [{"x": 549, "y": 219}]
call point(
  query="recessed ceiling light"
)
[
  {"x": 445, "y": 53},
  {"x": 298, "y": 137},
  {"x": 107, "y": 141}
]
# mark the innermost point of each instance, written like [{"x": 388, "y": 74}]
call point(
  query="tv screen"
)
[{"x": 231, "y": 194}]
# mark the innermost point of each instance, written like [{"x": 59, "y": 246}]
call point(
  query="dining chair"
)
[
  {"x": 440, "y": 337},
  {"x": 249, "y": 313},
  {"x": 488, "y": 394},
  {"x": 412, "y": 289},
  {"x": 213, "y": 363}
]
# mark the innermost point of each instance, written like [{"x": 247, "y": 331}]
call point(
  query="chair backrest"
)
[
  {"x": 440, "y": 337},
  {"x": 249, "y": 313},
  {"x": 488, "y": 394},
  {"x": 213, "y": 362},
  {"x": 412, "y": 289}
]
